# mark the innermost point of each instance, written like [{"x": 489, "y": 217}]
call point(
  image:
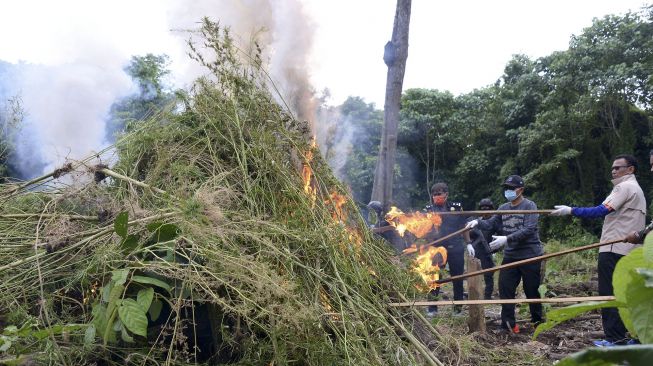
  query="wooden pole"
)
[
  {"x": 495, "y": 212},
  {"x": 476, "y": 320},
  {"x": 529, "y": 260},
  {"x": 503, "y": 301},
  {"x": 395, "y": 55},
  {"x": 412, "y": 250},
  {"x": 48, "y": 216}
]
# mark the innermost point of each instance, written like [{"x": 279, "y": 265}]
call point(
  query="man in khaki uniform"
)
[{"x": 624, "y": 211}]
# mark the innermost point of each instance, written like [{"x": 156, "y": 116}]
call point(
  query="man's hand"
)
[
  {"x": 498, "y": 242},
  {"x": 561, "y": 210},
  {"x": 470, "y": 250},
  {"x": 472, "y": 224},
  {"x": 634, "y": 238}
]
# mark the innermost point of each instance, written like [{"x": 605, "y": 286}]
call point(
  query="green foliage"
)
[
  {"x": 558, "y": 121},
  {"x": 557, "y": 316},
  {"x": 149, "y": 72},
  {"x": 631, "y": 355},
  {"x": 633, "y": 297}
]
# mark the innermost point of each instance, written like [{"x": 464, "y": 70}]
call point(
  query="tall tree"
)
[{"x": 395, "y": 55}]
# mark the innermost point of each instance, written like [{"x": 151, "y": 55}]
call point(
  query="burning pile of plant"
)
[{"x": 201, "y": 243}]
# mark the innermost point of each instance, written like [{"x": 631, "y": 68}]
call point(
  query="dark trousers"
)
[
  {"x": 456, "y": 260},
  {"x": 486, "y": 262},
  {"x": 613, "y": 327},
  {"x": 509, "y": 280}
]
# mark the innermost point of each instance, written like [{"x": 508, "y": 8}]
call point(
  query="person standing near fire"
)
[
  {"x": 454, "y": 245},
  {"x": 625, "y": 212},
  {"x": 521, "y": 240},
  {"x": 481, "y": 242}
]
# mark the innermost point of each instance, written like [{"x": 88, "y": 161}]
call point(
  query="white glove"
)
[
  {"x": 470, "y": 250},
  {"x": 472, "y": 224},
  {"x": 498, "y": 242},
  {"x": 561, "y": 210}
]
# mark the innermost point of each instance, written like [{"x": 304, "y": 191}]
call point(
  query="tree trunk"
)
[
  {"x": 396, "y": 53},
  {"x": 476, "y": 321}
]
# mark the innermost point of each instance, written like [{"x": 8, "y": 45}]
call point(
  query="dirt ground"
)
[{"x": 520, "y": 349}]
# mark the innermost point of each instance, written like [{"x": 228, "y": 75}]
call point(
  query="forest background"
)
[{"x": 557, "y": 120}]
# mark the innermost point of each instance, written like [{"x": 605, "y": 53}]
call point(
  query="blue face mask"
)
[{"x": 510, "y": 194}]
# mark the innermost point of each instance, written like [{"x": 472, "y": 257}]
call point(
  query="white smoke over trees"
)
[{"x": 68, "y": 102}]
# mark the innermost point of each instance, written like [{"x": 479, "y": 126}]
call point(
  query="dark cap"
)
[
  {"x": 513, "y": 181},
  {"x": 439, "y": 187},
  {"x": 486, "y": 202},
  {"x": 375, "y": 205}
]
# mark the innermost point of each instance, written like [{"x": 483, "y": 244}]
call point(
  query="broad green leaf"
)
[
  {"x": 144, "y": 298},
  {"x": 5, "y": 345},
  {"x": 121, "y": 223},
  {"x": 133, "y": 317},
  {"x": 10, "y": 329},
  {"x": 162, "y": 232},
  {"x": 152, "y": 281},
  {"x": 155, "y": 309},
  {"x": 89, "y": 334},
  {"x": 640, "y": 304},
  {"x": 119, "y": 276},
  {"x": 634, "y": 355},
  {"x": 129, "y": 243},
  {"x": 100, "y": 317},
  {"x": 106, "y": 291},
  {"x": 648, "y": 248},
  {"x": 557, "y": 316},
  {"x": 117, "y": 325},
  {"x": 647, "y": 275},
  {"x": 624, "y": 274},
  {"x": 114, "y": 297},
  {"x": 125, "y": 335}
]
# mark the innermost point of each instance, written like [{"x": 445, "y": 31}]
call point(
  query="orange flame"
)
[
  {"x": 337, "y": 200},
  {"x": 427, "y": 265},
  {"x": 418, "y": 223},
  {"x": 307, "y": 172}
]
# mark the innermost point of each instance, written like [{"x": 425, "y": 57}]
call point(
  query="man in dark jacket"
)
[
  {"x": 455, "y": 245},
  {"x": 481, "y": 241},
  {"x": 519, "y": 236}
]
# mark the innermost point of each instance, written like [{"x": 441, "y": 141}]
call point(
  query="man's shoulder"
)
[{"x": 528, "y": 204}]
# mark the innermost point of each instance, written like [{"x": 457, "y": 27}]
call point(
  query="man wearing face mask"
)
[
  {"x": 455, "y": 246},
  {"x": 625, "y": 212},
  {"x": 519, "y": 236}
]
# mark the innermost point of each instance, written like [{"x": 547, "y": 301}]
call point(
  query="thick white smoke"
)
[
  {"x": 282, "y": 28},
  {"x": 67, "y": 101},
  {"x": 66, "y": 111}
]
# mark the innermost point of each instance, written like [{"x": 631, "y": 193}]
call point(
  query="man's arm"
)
[{"x": 493, "y": 224}]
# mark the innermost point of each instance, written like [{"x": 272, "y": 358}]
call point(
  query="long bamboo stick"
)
[
  {"x": 494, "y": 212},
  {"x": 503, "y": 301},
  {"x": 48, "y": 216},
  {"x": 411, "y": 250},
  {"x": 529, "y": 260},
  {"x": 130, "y": 180}
]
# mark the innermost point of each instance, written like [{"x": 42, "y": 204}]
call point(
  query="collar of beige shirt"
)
[{"x": 623, "y": 179}]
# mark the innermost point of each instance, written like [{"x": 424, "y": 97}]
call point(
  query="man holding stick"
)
[
  {"x": 625, "y": 212},
  {"x": 454, "y": 245},
  {"x": 521, "y": 241}
]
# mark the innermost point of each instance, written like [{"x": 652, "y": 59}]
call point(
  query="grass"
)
[{"x": 219, "y": 237}]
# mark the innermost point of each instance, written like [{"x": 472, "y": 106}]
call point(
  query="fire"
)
[
  {"x": 337, "y": 200},
  {"x": 427, "y": 265},
  {"x": 418, "y": 223},
  {"x": 307, "y": 171}
]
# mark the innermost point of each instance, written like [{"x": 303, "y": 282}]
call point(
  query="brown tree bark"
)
[
  {"x": 396, "y": 53},
  {"x": 476, "y": 321}
]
